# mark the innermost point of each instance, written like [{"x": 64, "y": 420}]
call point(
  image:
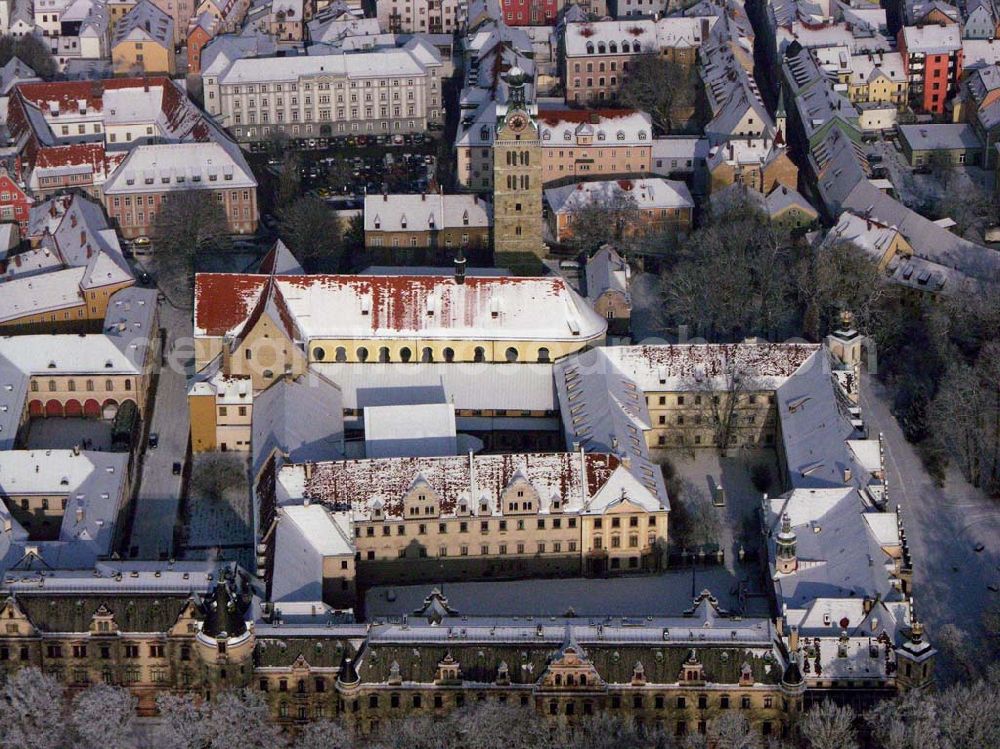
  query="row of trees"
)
[{"x": 103, "y": 717}]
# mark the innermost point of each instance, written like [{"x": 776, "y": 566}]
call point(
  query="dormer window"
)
[
  {"x": 465, "y": 218},
  {"x": 567, "y": 135},
  {"x": 601, "y": 135},
  {"x": 621, "y": 135},
  {"x": 642, "y": 135}
]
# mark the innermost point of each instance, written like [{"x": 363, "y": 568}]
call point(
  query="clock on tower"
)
[{"x": 517, "y": 182}]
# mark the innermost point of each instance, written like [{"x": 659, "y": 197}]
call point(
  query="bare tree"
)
[
  {"x": 829, "y": 726},
  {"x": 417, "y": 733},
  {"x": 731, "y": 278},
  {"x": 324, "y": 734},
  {"x": 185, "y": 721},
  {"x": 667, "y": 90},
  {"x": 30, "y": 704},
  {"x": 289, "y": 187},
  {"x": 605, "y": 219},
  {"x": 191, "y": 222},
  {"x": 242, "y": 719},
  {"x": 214, "y": 473},
  {"x": 694, "y": 520},
  {"x": 733, "y": 731},
  {"x": 312, "y": 231},
  {"x": 103, "y": 717},
  {"x": 499, "y": 726}
]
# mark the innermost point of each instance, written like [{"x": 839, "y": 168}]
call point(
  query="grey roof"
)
[
  {"x": 606, "y": 271},
  {"x": 977, "y": 264},
  {"x": 942, "y": 137},
  {"x": 783, "y": 197},
  {"x": 302, "y": 418}
]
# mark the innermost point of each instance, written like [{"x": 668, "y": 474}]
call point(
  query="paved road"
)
[
  {"x": 159, "y": 492},
  {"x": 942, "y": 526}
]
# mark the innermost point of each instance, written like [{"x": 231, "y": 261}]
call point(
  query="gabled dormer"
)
[
  {"x": 571, "y": 669},
  {"x": 187, "y": 620},
  {"x": 421, "y": 500},
  {"x": 448, "y": 670},
  {"x": 15, "y": 621},
  {"x": 103, "y": 622},
  {"x": 519, "y": 497}
]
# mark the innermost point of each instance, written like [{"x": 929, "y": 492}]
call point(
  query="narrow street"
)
[
  {"x": 943, "y": 526},
  {"x": 158, "y": 498}
]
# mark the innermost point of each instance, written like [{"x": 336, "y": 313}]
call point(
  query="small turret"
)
[
  {"x": 786, "y": 560},
  {"x": 915, "y": 659}
]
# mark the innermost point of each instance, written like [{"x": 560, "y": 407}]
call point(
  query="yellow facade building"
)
[{"x": 143, "y": 41}]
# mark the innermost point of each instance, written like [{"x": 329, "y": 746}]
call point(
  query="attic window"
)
[
  {"x": 148, "y": 180},
  {"x": 601, "y": 135},
  {"x": 52, "y": 365}
]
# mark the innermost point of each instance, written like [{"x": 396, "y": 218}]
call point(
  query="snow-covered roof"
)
[
  {"x": 613, "y": 127},
  {"x": 635, "y": 35},
  {"x": 563, "y": 482},
  {"x": 606, "y": 271},
  {"x": 940, "y": 137},
  {"x": 302, "y": 418},
  {"x": 649, "y": 194},
  {"x": 305, "y": 535},
  {"x": 932, "y": 39},
  {"x": 868, "y": 67},
  {"x": 387, "y": 63},
  {"x": 419, "y": 430},
  {"x": 180, "y": 166},
  {"x": 782, "y": 198},
  {"x": 93, "y": 484},
  {"x": 436, "y": 211},
  {"x": 469, "y": 386},
  {"x": 388, "y": 307}
]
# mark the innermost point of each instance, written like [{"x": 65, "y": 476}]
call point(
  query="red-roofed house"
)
[{"x": 15, "y": 203}]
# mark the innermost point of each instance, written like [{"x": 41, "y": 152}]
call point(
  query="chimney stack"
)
[{"x": 460, "y": 267}]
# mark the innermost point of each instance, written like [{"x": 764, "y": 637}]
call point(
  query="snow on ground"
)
[{"x": 943, "y": 525}]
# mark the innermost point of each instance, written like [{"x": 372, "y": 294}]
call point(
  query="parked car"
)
[
  {"x": 177, "y": 469},
  {"x": 145, "y": 279},
  {"x": 142, "y": 246},
  {"x": 154, "y": 440}
]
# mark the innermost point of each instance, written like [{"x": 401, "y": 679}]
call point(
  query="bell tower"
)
[{"x": 517, "y": 182}]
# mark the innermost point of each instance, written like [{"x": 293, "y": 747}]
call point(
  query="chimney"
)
[
  {"x": 423, "y": 197},
  {"x": 460, "y": 267},
  {"x": 385, "y": 197}
]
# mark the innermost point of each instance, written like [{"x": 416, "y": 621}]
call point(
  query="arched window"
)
[
  {"x": 583, "y": 680},
  {"x": 621, "y": 135},
  {"x": 341, "y": 354},
  {"x": 362, "y": 354},
  {"x": 590, "y": 48},
  {"x": 449, "y": 354},
  {"x": 558, "y": 680},
  {"x": 543, "y": 355},
  {"x": 427, "y": 355},
  {"x": 480, "y": 354},
  {"x": 511, "y": 354},
  {"x": 636, "y": 47},
  {"x": 383, "y": 354},
  {"x": 404, "y": 353},
  {"x": 319, "y": 354},
  {"x": 613, "y": 47},
  {"x": 601, "y": 48},
  {"x": 642, "y": 135}
]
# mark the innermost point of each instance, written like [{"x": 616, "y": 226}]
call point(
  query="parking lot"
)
[{"x": 332, "y": 176}]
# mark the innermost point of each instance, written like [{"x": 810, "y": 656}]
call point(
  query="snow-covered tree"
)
[
  {"x": 241, "y": 718},
  {"x": 31, "y": 705},
  {"x": 733, "y": 731},
  {"x": 185, "y": 722},
  {"x": 829, "y": 726},
  {"x": 324, "y": 734},
  {"x": 102, "y": 718}
]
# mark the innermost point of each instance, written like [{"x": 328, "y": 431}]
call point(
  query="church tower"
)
[{"x": 517, "y": 183}]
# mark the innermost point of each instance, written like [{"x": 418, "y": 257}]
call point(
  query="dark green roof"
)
[{"x": 132, "y": 613}]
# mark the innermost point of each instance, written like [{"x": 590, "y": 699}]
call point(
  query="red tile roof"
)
[{"x": 555, "y": 116}]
